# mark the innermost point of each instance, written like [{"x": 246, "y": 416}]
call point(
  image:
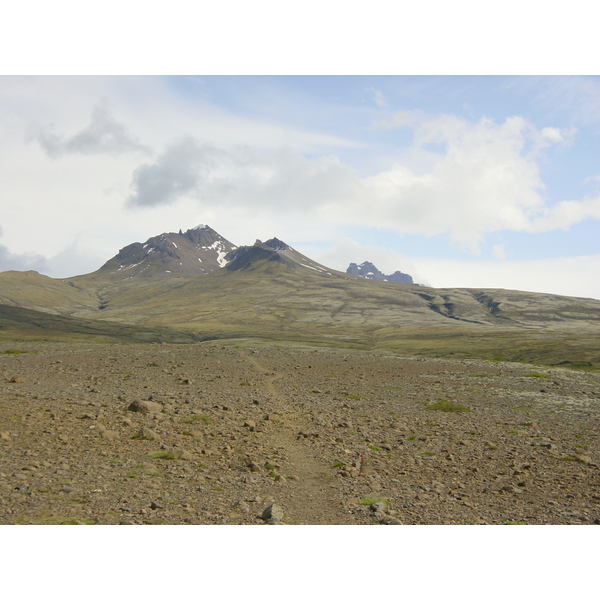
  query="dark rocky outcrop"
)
[{"x": 370, "y": 271}]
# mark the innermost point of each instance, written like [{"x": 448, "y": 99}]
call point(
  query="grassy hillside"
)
[{"x": 280, "y": 296}]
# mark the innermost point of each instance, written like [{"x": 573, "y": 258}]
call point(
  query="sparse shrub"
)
[
  {"x": 509, "y": 522},
  {"x": 536, "y": 374},
  {"x": 162, "y": 454}
]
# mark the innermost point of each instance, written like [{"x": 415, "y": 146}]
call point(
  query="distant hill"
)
[
  {"x": 198, "y": 285},
  {"x": 370, "y": 271}
]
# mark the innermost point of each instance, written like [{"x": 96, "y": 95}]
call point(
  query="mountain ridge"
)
[
  {"x": 187, "y": 282},
  {"x": 369, "y": 271}
]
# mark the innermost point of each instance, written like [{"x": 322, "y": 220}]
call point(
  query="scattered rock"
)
[
  {"x": 148, "y": 434},
  {"x": 182, "y": 454},
  {"x": 144, "y": 406},
  {"x": 273, "y": 514}
]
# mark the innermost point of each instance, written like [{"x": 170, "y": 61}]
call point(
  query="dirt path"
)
[{"x": 316, "y": 499}]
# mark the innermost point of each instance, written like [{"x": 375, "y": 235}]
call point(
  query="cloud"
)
[
  {"x": 401, "y": 118},
  {"x": 477, "y": 178},
  {"x": 104, "y": 135},
  {"x": 280, "y": 179},
  {"x": 498, "y": 251},
  {"x": 177, "y": 172},
  {"x": 567, "y": 213},
  {"x": 21, "y": 262},
  {"x": 564, "y": 276},
  {"x": 378, "y": 97}
]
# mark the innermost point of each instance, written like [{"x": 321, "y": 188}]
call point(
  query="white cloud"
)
[
  {"x": 378, "y": 97},
  {"x": 401, "y": 118},
  {"x": 567, "y": 213},
  {"x": 10, "y": 261},
  {"x": 499, "y": 252},
  {"x": 479, "y": 178},
  {"x": 104, "y": 135},
  {"x": 564, "y": 276}
]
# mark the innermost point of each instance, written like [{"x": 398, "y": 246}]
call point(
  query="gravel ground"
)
[{"x": 253, "y": 434}]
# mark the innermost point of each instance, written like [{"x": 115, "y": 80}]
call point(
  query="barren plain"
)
[{"x": 217, "y": 432}]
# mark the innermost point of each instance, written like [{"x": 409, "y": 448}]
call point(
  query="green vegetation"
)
[
  {"x": 447, "y": 406},
  {"x": 205, "y": 419},
  {"x": 509, "y": 522},
  {"x": 9, "y": 351},
  {"x": 536, "y": 374},
  {"x": 162, "y": 454},
  {"x": 338, "y": 464},
  {"x": 374, "y": 448}
]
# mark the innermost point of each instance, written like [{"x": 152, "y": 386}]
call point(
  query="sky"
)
[
  {"x": 464, "y": 169},
  {"x": 460, "y": 181}
]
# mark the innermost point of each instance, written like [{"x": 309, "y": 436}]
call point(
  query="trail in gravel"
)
[{"x": 317, "y": 498}]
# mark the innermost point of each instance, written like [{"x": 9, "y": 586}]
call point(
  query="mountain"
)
[
  {"x": 201, "y": 286},
  {"x": 198, "y": 251},
  {"x": 271, "y": 250},
  {"x": 370, "y": 271}
]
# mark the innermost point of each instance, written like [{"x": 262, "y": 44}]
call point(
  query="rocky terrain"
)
[
  {"x": 250, "y": 433},
  {"x": 369, "y": 271}
]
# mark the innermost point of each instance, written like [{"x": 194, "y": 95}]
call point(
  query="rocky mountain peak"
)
[{"x": 369, "y": 271}]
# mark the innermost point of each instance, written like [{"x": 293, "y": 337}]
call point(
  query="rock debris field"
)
[{"x": 257, "y": 434}]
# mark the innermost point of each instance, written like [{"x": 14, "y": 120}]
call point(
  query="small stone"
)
[
  {"x": 149, "y": 434},
  {"x": 387, "y": 520},
  {"x": 182, "y": 454},
  {"x": 149, "y": 468},
  {"x": 273, "y": 512},
  {"x": 378, "y": 507},
  {"x": 144, "y": 406},
  {"x": 16, "y": 379}
]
